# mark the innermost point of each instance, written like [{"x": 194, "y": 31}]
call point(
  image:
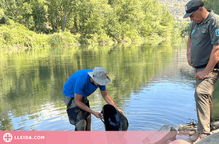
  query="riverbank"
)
[
  {"x": 14, "y": 36},
  {"x": 212, "y": 139},
  {"x": 191, "y": 128}
]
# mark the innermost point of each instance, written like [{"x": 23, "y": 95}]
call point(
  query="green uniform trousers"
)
[{"x": 203, "y": 99}]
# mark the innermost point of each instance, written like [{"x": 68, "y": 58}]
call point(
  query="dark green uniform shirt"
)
[{"x": 204, "y": 36}]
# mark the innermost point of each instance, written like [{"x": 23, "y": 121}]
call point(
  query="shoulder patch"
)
[{"x": 217, "y": 32}]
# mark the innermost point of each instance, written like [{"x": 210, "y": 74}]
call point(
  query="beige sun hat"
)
[{"x": 99, "y": 75}]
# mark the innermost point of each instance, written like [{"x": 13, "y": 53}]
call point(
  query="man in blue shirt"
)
[{"x": 76, "y": 90}]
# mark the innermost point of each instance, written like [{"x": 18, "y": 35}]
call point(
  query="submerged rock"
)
[
  {"x": 188, "y": 129},
  {"x": 215, "y": 125}
]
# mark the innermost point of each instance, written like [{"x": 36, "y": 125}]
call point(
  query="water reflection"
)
[{"x": 153, "y": 85}]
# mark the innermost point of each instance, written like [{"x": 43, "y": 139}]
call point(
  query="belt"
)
[{"x": 203, "y": 66}]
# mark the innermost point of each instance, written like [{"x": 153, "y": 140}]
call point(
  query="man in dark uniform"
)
[{"x": 202, "y": 55}]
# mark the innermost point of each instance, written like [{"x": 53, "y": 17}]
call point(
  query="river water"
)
[{"x": 153, "y": 85}]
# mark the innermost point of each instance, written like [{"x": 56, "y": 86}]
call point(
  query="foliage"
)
[
  {"x": 185, "y": 28},
  {"x": 39, "y": 16},
  {"x": 54, "y": 14},
  {"x": 26, "y": 17},
  {"x": 209, "y": 4},
  {"x": 16, "y": 35},
  {"x": 95, "y": 21},
  {"x": 1, "y": 13},
  {"x": 61, "y": 39},
  {"x": 212, "y": 4}
]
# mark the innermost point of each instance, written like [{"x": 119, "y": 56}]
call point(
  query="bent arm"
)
[
  {"x": 188, "y": 45},
  {"x": 81, "y": 105},
  {"x": 214, "y": 58},
  {"x": 188, "y": 51}
]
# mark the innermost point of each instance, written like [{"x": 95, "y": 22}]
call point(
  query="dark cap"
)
[{"x": 192, "y": 6}]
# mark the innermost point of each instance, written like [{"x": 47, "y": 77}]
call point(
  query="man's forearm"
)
[
  {"x": 188, "y": 51},
  {"x": 80, "y": 104},
  {"x": 188, "y": 45},
  {"x": 109, "y": 100}
]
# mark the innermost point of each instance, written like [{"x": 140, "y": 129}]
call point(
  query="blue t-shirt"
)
[{"x": 80, "y": 84}]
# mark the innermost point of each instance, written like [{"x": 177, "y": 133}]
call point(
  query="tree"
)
[
  {"x": 68, "y": 7},
  {"x": 39, "y": 15},
  {"x": 26, "y": 17},
  {"x": 12, "y": 8},
  {"x": 130, "y": 16},
  {"x": 1, "y": 13},
  {"x": 167, "y": 23},
  {"x": 212, "y": 4},
  {"x": 54, "y": 14}
]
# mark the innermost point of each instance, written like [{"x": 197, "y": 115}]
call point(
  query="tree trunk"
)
[
  {"x": 64, "y": 23},
  {"x": 65, "y": 19}
]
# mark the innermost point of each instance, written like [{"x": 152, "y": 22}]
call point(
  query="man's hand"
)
[
  {"x": 214, "y": 58},
  {"x": 96, "y": 114},
  {"x": 201, "y": 74},
  {"x": 189, "y": 60},
  {"x": 109, "y": 100},
  {"x": 121, "y": 111}
]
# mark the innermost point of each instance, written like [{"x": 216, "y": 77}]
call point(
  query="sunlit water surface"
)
[{"x": 153, "y": 85}]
